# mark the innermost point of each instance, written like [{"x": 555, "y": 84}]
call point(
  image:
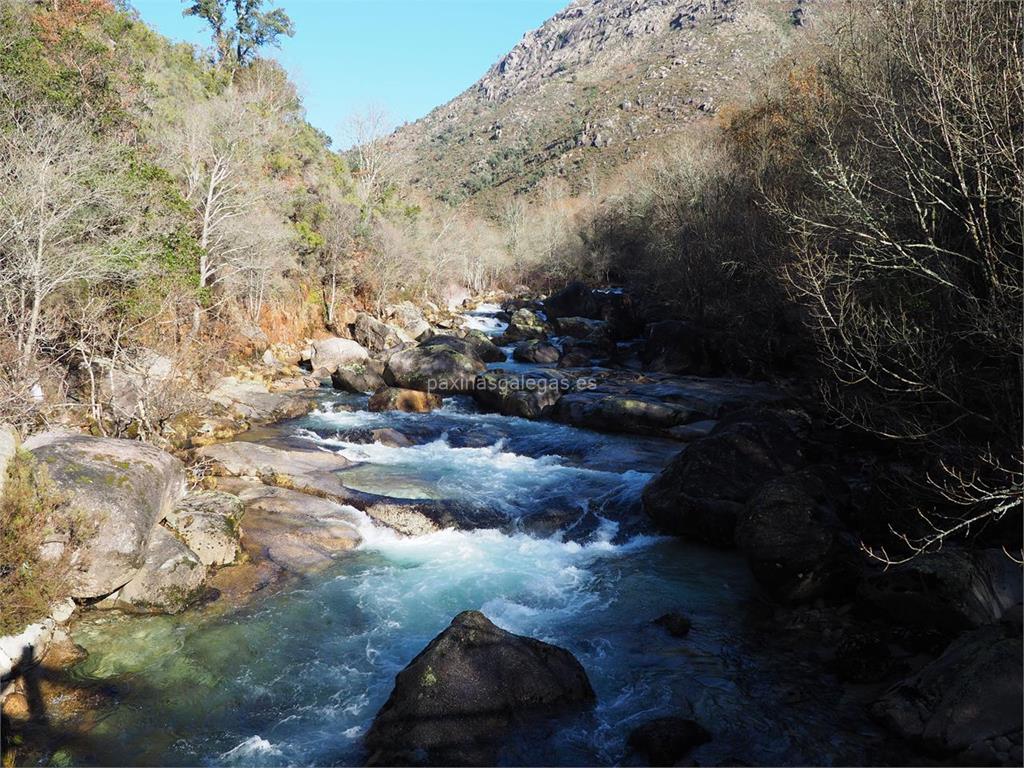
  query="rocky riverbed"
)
[{"x": 688, "y": 544}]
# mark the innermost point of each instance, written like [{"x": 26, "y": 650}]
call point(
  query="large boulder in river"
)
[
  {"x": 455, "y": 701},
  {"x": 793, "y": 537},
  {"x": 359, "y": 378},
  {"x": 967, "y": 702},
  {"x": 326, "y": 355},
  {"x": 405, "y": 400},
  {"x": 375, "y": 335},
  {"x": 531, "y": 395},
  {"x": 120, "y": 490},
  {"x": 535, "y": 351},
  {"x": 525, "y": 324},
  {"x": 703, "y": 490},
  {"x": 241, "y": 459},
  {"x": 172, "y": 577},
  {"x": 434, "y": 369},
  {"x": 474, "y": 344}
]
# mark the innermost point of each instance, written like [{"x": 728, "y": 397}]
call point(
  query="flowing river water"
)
[{"x": 296, "y": 677}]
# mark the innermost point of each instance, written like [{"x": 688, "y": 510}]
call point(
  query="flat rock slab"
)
[
  {"x": 243, "y": 459},
  {"x": 120, "y": 489},
  {"x": 209, "y": 523},
  {"x": 252, "y": 400},
  {"x": 299, "y": 533}
]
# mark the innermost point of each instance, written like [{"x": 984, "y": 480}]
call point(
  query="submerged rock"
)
[
  {"x": 675, "y": 623},
  {"x": 667, "y": 740},
  {"x": 455, "y": 701},
  {"x": 120, "y": 490},
  {"x": 405, "y": 400}
]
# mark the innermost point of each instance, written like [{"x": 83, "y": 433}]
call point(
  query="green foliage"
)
[
  {"x": 29, "y": 515},
  {"x": 241, "y": 27}
]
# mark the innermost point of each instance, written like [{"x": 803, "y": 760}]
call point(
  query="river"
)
[{"x": 296, "y": 677}]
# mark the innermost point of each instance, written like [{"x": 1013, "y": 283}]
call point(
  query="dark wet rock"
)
[
  {"x": 531, "y": 395},
  {"x": 405, "y": 400},
  {"x": 570, "y": 524},
  {"x": 659, "y": 404},
  {"x": 703, "y": 490},
  {"x": 456, "y": 700},
  {"x": 863, "y": 657},
  {"x": 679, "y": 346},
  {"x": 675, "y": 623},
  {"x": 524, "y": 324},
  {"x": 535, "y": 351},
  {"x": 612, "y": 306},
  {"x": 576, "y": 358},
  {"x": 171, "y": 578},
  {"x": 436, "y": 369},
  {"x": 792, "y": 535},
  {"x": 357, "y": 378},
  {"x": 944, "y": 592},
  {"x": 375, "y": 335},
  {"x": 582, "y": 328},
  {"x": 964, "y": 700},
  {"x": 667, "y": 740},
  {"x": 120, "y": 490},
  {"x": 474, "y": 344}
]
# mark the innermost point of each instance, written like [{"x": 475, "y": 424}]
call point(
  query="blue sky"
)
[{"x": 408, "y": 56}]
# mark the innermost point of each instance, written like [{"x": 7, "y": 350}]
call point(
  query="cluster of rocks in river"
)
[{"x": 939, "y": 637}]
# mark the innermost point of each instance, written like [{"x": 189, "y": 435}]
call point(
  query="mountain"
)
[{"x": 597, "y": 85}]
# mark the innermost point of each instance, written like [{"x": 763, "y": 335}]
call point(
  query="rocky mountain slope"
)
[{"x": 596, "y": 85}]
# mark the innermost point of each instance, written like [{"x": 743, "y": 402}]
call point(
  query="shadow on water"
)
[{"x": 61, "y": 732}]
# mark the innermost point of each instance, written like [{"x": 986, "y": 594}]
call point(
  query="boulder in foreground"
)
[
  {"x": 120, "y": 490},
  {"x": 464, "y": 691}
]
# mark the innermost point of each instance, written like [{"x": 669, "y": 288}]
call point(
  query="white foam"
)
[{"x": 250, "y": 751}]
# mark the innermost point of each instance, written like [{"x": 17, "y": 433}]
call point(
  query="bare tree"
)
[
  {"x": 909, "y": 239},
  {"x": 57, "y": 208},
  {"x": 377, "y": 161}
]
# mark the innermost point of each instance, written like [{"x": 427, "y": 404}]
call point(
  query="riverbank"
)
[{"x": 546, "y": 527}]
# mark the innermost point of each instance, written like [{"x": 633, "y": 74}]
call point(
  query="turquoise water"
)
[{"x": 295, "y": 678}]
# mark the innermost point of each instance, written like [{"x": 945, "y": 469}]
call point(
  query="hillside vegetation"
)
[{"x": 832, "y": 196}]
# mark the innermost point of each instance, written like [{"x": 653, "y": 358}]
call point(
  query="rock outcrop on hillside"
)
[{"x": 597, "y": 84}]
